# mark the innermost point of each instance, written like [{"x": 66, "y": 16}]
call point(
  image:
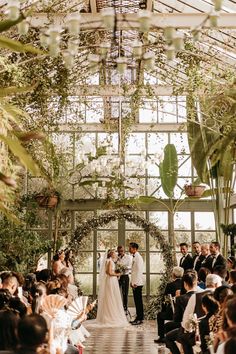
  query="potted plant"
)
[
  {"x": 194, "y": 191},
  {"x": 47, "y": 198}
]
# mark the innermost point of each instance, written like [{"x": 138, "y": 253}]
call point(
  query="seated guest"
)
[
  {"x": 8, "y": 331},
  {"x": 166, "y": 311},
  {"x": 194, "y": 305},
  {"x": 10, "y": 281},
  {"x": 232, "y": 277},
  {"x": 216, "y": 258},
  {"x": 186, "y": 261},
  {"x": 210, "y": 307},
  {"x": 32, "y": 331},
  {"x": 221, "y": 270},
  {"x": 230, "y": 264},
  {"x": 230, "y": 346},
  {"x": 202, "y": 274},
  {"x": 172, "y": 328}
]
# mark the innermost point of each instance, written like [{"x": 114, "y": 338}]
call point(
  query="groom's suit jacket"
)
[{"x": 137, "y": 270}]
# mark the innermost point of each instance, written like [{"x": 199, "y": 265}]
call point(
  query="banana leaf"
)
[{"x": 169, "y": 170}]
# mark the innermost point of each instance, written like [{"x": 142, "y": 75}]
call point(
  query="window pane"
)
[
  {"x": 182, "y": 236},
  {"x": 182, "y": 220},
  {"x": 204, "y": 221},
  {"x": 159, "y": 218},
  {"x": 136, "y": 236},
  {"x": 156, "y": 263},
  {"x": 154, "y": 283},
  {"x": 107, "y": 239},
  {"x": 86, "y": 283},
  {"x": 205, "y": 237},
  {"x": 84, "y": 262}
]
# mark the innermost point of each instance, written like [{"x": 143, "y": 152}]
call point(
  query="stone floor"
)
[{"x": 133, "y": 339}]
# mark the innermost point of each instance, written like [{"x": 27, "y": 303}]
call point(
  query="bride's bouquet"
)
[{"x": 120, "y": 268}]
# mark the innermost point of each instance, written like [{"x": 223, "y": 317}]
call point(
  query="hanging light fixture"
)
[
  {"x": 13, "y": 9},
  {"x": 94, "y": 60},
  {"x": 108, "y": 17},
  {"x": 149, "y": 60},
  {"x": 137, "y": 49},
  {"x": 218, "y": 4},
  {"x": 213, "y": 18},
  {"x": 23, "y": 27},
  {"x": 104, "y": 48},
  {"x": 54, "y": 49},
  {"x": 121, "y": 63},
  {"x": 73, "y": 23},
  {"x": 169, "y": 33},
  {"x": 54, "y": 34},
  {"x": 73, "y": 46},
  {"x": 178, "y": 41},
  {"x": 196, "y": 33},
  {"x": 145, "y": 20},
  {"x": 69, "y": 59},
  {"x": 43, "y": 38},
  {"x": 170, "y": 53}
]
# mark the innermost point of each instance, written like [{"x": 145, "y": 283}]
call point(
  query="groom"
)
[{"x": 137, "y": 282}]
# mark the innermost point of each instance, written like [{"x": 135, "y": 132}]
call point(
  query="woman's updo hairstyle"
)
[{"x": 110, "y": 252}]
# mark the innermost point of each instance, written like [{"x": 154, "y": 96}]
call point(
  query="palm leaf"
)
[
  {"x": 21, "y": 153},
  {"x": 17, "y": 46}
]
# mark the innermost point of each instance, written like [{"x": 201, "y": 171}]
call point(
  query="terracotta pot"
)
[
  {"x": 194, "y": 191},
  {"x": 47, "y": 201}
]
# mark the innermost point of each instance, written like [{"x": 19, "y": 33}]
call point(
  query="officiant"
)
[{"x": 125, "y": 261}]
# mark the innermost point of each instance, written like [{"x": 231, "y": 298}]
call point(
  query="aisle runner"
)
[{"x": 133, "y": 339}]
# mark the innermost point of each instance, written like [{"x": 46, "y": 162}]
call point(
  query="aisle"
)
[{"x": 135, "y": 339}]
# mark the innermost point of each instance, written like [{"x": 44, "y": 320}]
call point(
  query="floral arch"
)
[{"x": 89, "y": 225}]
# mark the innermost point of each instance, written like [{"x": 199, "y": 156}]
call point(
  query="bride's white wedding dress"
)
[{"x": 110, "y": 307}]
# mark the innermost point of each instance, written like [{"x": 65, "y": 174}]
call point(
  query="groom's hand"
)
[{"x": 134, "y": 286}]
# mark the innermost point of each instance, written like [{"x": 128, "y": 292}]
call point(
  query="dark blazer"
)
[
  {"x": 173, "y": 286},
  {"x": 220, "y": 260},
  {"x": 198, "y": 264},
  {"x": 180, "y": 305},
  {"x": 204, "y": 331},
  {"x": 205, "y": 261},
  {"x": 186, "y": 262}
]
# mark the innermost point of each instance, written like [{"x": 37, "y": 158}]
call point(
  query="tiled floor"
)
[{"x": 133, "y": 339}]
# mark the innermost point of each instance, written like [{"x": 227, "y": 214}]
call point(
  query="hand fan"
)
[
  {"x": 76, "y": 307},
  {"x": 52, "y": 303},
  {"x": 84, "y": 302}
]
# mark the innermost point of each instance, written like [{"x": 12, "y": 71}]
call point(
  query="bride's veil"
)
[{"x": 102, "y": 279}]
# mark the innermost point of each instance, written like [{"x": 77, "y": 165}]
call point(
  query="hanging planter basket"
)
[
  {"x": 194, "y": 191},
  {"x": 47, "y": 201}
]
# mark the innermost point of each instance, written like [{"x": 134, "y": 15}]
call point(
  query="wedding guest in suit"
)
[
  {"x": 196, "y": 249},
  {"x": 202, "y": 274},
  {"x": 216, "y": 258},
  {"x": 186, "y": 261},
  {"x": 137, "y": 282},
  {"x": 205, "y": 252},
  {"x": 166, "y": 310},
  {"x": 125, "y": 261}
]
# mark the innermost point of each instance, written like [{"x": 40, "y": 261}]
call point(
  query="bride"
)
[{"x": 110, "y": 307}]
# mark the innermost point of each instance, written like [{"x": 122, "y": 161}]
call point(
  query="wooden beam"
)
[
  {"x": 149, "y": 5},
  {"x": 97, "y": 204},
  {"x": 136, "y": 128},
  {"x": 129, "y": 21},
  {"x": 93, "y": 6},
  {"x": 114, "y": 90}
]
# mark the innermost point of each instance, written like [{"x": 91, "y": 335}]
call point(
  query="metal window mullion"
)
[
  {"x": 95, "y": 260},
  {"x": 147, "y": 261}
]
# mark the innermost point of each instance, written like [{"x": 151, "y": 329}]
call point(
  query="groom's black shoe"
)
[
  {"x": 159, "y": 340},
  {"x": 136, "y": 322}
]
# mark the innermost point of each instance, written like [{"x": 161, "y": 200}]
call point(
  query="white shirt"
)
[
  {"x": 189, "y": 309},
  {"x": 126, "y": 261},
  {"x": 137, "y": 270}
]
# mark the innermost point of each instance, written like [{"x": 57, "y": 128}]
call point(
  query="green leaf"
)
[
  {"x": 9, "y": 214},
  {"x": 17, "y": 46},
  {"x": 12, "y": 112},
  {"x": 13, "y": 90},
  {"x": 6, "y": 24},
  {"x": 146, "y": 200},
  {"x": 169, "y": 170},
  {"x": 212, "y": 192},
  {"x": 21, "y": 153}
]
